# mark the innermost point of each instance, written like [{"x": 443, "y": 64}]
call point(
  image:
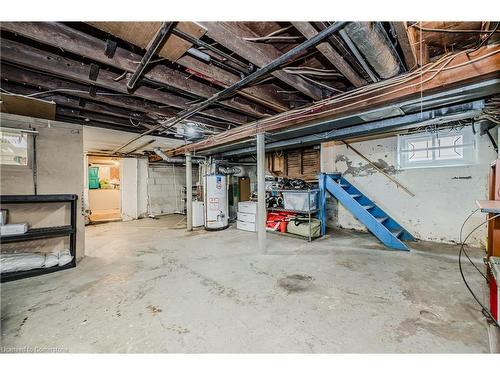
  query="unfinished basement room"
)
[{"x": 250, "y": 186}]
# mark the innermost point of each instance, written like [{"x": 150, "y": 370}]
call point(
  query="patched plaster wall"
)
[{"x": 444, "y": 196}]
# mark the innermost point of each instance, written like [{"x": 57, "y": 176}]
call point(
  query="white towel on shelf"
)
[
  {"x": 21, "y": 262},
  {"x": 13, "y": 262}
]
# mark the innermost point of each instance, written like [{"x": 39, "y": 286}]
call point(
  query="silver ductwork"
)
[
  {"x": 176, "y": 160},
  {"x": 236, "y": 171},
  {"x": 372, "y": 42}
]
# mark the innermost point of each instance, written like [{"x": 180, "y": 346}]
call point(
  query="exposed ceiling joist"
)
[
  {"x": 231, "y": 34},
  {"x": 255, "y": 76},
  {"x": 399, "y": 29},
  {"x": 56, "y": 65},
  {"x": 333, "y": 56},
  {"x": 78, "y": 103},
  {"x": 74, "y": 41},
  {"x": 450, "y": 71},
  {"x": 141, "y": 33},
  {"x": 208, "y": 72},
  {"x": 53, "y": 84},
  {"x": 88, "y": 115}
]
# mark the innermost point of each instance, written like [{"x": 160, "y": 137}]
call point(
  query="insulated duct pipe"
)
[
  {"x": 370, "y": 39},
  {"x": 176, "y": 160}
]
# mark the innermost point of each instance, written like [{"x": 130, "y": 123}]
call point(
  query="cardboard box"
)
[
  {"x": 249, "y": 218},
  {"x": 247, "y": 207},
  {"x": 243, "y": 225}
]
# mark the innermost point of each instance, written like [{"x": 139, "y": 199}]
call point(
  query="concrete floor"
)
[{"x": 144, "y": 288}]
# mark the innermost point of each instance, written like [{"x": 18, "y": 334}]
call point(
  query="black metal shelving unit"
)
[
  {"x": 308, "y": 213},
  {"x": 42, "y": 233}
]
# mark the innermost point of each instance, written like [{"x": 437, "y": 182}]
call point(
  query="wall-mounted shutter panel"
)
[{"x": 296, "y": 163}]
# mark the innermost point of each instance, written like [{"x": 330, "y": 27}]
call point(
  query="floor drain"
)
[{"x": 295, "y": 283}]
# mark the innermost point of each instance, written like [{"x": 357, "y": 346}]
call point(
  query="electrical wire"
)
[
  {"x": 463, "y": 224},
  {"x": 451, "y": 31},
  {"x": 484, "y": 310},
  {"x": 465, "y": 252},
  {"x": 302, "y": 113},
  {"x": 488, "y": 37},
  {"x": 274, "y": 36}
]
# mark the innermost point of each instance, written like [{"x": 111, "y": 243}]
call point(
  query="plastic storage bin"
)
[{"x": 297, "y": 200}]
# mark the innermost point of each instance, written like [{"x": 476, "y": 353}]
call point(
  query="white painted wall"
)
[
  {"x": 133, "y": 185},
  {"x": 128, "y": 173},
  {"x": 104, "y": 199},
  {"x": 142, "y": 187},
  {"x": 444, "y": 196},
  {"x": 60, "y": 166}
]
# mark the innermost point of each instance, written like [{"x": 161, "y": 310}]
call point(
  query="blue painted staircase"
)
[{"x": 380, "y": 224}]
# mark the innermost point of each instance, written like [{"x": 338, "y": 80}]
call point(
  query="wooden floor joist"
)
[
  {"x": 462, "y": 68},
  {"x": 74, "y": 41},
  {"x": 78, "y": 90},
  {"x": 333, "y": 56},
  {"x": 23, "y": 55},
  {"x": 231, "y": 34},
  {"x": 211, "y": 73},
  {"x": 404, "y": 43}
]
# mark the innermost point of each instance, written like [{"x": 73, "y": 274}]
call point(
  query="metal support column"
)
[
  {"x": 189, "y": 192},
  {"x": 261, "y": 191}
]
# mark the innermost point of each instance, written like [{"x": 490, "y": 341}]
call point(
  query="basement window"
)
[
  {"x": 441, "y": 148},
  {"x": 14, "y": 146}
]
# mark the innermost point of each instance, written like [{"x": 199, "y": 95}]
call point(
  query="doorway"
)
[{"x": 104, "y": 181}]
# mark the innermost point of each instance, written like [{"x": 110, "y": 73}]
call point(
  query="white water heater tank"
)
[{"x": 216, "y": 202}]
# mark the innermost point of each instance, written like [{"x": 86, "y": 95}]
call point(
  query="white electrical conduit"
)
[
  {"x": 177, "y": 160},
  {"x": 274, "y": 36},
  {"x": 312, "y": 71}
]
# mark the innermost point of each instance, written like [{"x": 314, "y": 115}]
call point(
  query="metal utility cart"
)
[
  {"x": 42, "y": 233},
  {"x": 310, "y": 211}
]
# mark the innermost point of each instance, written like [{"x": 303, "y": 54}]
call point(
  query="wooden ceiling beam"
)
[
  {"x": 86, "y": 114},
  {"x": 404, "y": 42},
  {"x": 215, "y": 75},
  {"x": 100, "y": 124},
  {"x": 24, "y": 55},
  {"x": 306, "y": 29},
  {"x": 141, "y": 33},
  {"x": 461, "y": 69},
  {"x": 82, "y": 44},
  {"x": 45, "y": 82},
  {"x": 80, "y": 103},
  {"x": 231, "y": 34}
]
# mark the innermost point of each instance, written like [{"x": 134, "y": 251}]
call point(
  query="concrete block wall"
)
[
  {"x": 165, "y": 188},
  {"x": 60, "y": 170}
]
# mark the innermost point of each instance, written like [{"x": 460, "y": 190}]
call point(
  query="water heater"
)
[{"x": 216, "y": 202}]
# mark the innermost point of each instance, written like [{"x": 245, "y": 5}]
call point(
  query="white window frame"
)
[
  {"x": 29, "y": 140},
  {"x": 467, "y": 147}
]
